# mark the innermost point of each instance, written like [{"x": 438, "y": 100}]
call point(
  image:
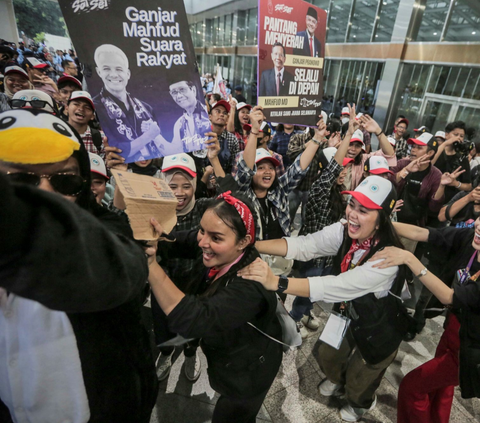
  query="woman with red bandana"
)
[
  {"x": 242, "y": 362},
  {"x": 367, "y": 299}
]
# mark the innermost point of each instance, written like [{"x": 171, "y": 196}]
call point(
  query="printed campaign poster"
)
[
  {"x": 140, "y": 67},
  {"x": 291, "y": 51}
]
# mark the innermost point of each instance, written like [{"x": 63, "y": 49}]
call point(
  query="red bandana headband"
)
[{"x": 243, "y": 211}]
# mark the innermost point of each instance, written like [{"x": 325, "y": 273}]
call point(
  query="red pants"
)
[{"x": 426, "y": 393}]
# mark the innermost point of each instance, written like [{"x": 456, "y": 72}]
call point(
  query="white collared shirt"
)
[
  {"x": 41, "y": 377},
  {"x": 349, "y": 285}
]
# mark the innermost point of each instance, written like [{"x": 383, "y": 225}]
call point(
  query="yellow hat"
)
[{"x": 30, "y": 136}]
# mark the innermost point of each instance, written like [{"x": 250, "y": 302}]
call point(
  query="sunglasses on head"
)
[
  {"x": 36, "y": 104},
  {"x": 63, "y": 183}
]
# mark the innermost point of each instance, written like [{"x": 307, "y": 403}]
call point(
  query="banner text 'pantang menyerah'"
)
[{"x": 291, "y": 50}]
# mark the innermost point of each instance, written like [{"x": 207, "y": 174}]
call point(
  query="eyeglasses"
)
[
  {"x": 36, "y": 104},
  {"x": 63, "y": 183},
  {"x": 182, "y": 91}
]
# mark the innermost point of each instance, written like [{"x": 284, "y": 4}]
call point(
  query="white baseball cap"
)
[
  {"x": 180, "y": 161},
  {"x": 82, "y": 95},
  {"x": 97, "y": 165},
  {"x": 15, "y": 69},
  {"x": 327, "y": 155},
  {"x": 375, "y": 193},
  {"x": 32, "y": 95},
  {"x": 345, "y": 111},
  {"x": 358, "y": 137},
  {"x": 242, "y": 105},
  {"x": 263, "y": 154},
  {"x": 440, "y": 134},
  {"x": 392, "y": 140},
  {"x": 377, "y": 165},
  {"x": 422, "y": 140}
]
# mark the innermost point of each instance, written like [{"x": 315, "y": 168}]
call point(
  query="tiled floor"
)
[{"x": 293, "y": 396}]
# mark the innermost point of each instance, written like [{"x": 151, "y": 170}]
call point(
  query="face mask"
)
[{"x": 345, "y": 120}]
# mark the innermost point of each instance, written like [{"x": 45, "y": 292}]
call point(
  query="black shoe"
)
[{"x": 409, "y": 336}]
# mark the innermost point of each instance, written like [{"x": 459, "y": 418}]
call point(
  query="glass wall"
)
[
  {"x": 433, "y": 20},
  {"x": 464, "y": 24},
  {"x": 432, "y": 95},
  {"x": 387, "y": 15},
  {"x": 363, "y": 19},
  {"x": 339, "y": 20},
  {"x": 247, "y": 27},
  {"x": 351, "y": 81},
  {"x": 246, "y": 75}
]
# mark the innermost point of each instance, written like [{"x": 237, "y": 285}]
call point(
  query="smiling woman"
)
[{"x": 367, "y": 297}]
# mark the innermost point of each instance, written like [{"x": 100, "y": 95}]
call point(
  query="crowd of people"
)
[{"x": 74, "y": 283}]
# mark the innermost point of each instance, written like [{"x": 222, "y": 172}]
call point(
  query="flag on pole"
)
[{"x": 219, "y": 87}]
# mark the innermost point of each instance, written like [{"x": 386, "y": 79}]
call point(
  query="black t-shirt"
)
[
  {"x": 449, "y": 164},
  {"x": 270, "y": 223},
  {"x": 465, "y": 218},
  {"x": 414, "y": 208}
]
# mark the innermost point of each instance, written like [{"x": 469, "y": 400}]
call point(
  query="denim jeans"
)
[
  {"x": 303, "y": 306},
  {"x": 295, "y": 198}
]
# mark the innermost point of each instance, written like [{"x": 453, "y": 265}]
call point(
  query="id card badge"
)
[{"x": 335, "y": 330}]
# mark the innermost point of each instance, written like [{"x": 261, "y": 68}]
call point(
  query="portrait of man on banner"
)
[
  {"x": 311, "y": 44},
  {"x": 190, "y": 127},
  {"x": 276, "y": 81},
  {"x": 132, "y": 120}
]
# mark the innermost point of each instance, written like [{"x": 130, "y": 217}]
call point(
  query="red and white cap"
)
[
  {"x": 421, "y": 129},
  {"x": 421, "y": 140},
  {"x": 375, "y": 193},
  {"x": 77, "y": 95},
  {"x": 392, "y": 140},
  {"x": 263, "y": 154},
  {"x": 180, "y": 161},
  {"x": 345, "y": 111},
  {"x": 440, "y": 134},
  {"x": 15, "y": 69},
  {"x": 69, "y": 78},
  {"x": 358, "y": 137},
  {"x": 97, "y": 165},
  {"x": 222, "y": 103},
  {"x": 242, "y": 105},
  {"x": 327, "y": 155},
  {"x": 377, "y": 165}
]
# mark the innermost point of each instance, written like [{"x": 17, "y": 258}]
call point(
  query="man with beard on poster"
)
[
  {"x": 194, "y": 122},
  {"x": 276, "y": 81},
  {"x": 311, "y": 44},
  {"x": 128, "y": 121}
]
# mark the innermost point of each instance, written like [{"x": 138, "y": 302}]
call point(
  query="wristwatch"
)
[
  {"x": 422, "y": 273},
  {"x": 282, "y": 284}
]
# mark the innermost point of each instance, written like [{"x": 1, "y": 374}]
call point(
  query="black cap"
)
[
  {"x": 4, "y": 49},
  {"x": 238, "y": 88},
  {"x": 313, "y": 13}
]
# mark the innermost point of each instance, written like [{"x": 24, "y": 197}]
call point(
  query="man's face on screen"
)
[
  {"x": 184, "y": 95},
  {"x": 113, "y": 71},
  {"x": 311, "y": 24}
]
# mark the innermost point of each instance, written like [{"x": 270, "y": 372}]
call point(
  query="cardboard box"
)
[{"x": 146, "y": 197}]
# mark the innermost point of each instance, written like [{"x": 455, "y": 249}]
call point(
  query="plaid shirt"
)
[
  {"x": 279, "y": 170},
  {"x": 401, "y": 148},
  {"x": 279, "y": 144},
  {"x": 242, "y": 140},
  {"x": 319, "y": 205},
  {"x": 90, "y": 146},
  {"x": 232, "y": 144},
  {"x": 295, "y": 148},
  {"x": 278, "y": 196}
]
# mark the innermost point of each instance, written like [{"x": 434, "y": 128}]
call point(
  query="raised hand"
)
[
  {"x": 321, "y": 129},
  {"x": 370, "y": 124},
  {"x": 256, "y": 118},
  {"x": 212, "y": 145},
  {"x": 450, "y": 179},
  {"x": 353, "y": 123},
  {"x": 415, "y": 165},
  {"x": 114, "y": 160}
]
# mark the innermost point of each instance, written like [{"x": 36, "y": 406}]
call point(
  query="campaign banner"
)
[
  {"x": 141, "y": 71},
  {"x": 291, "y": 51}
]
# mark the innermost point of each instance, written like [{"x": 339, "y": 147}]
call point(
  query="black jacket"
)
[
  {"x": 241, "y": 361},
  {"x": 62, "y": 257}
]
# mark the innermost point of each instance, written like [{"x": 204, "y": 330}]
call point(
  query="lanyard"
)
[{"x": 467, "y": 270}]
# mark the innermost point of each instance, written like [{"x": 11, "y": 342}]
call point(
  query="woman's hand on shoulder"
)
[
  {"x": 259, "y": 271},
  {"x": 391, "y": 256}
]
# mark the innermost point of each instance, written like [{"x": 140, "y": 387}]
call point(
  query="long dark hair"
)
[
  {"x": 237, "y": 124},
  {"x": 337, "y": 210}
]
